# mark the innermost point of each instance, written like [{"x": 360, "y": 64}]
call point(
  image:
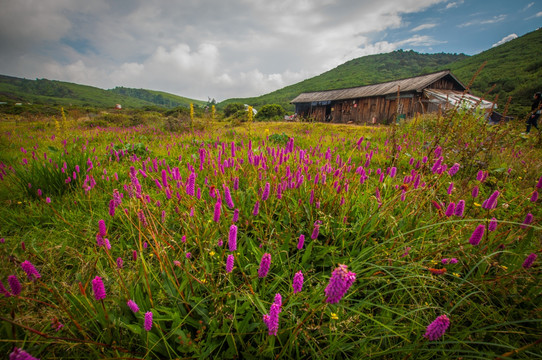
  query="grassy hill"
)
[
  {"x": 514, "y": 67},
  {"x": 365, "y": 70},
  {"x": 52, "y": 92}
]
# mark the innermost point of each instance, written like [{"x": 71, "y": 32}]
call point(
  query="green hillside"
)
[
  {"x": 52, "y": 92},
  {"x": 515, "y": 67},
  {"x": 357, "y": 72},
  {"x": 159, "y": 98}
]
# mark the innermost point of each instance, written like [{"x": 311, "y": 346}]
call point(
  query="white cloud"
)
[
  {"x": 423, "y": 27},
  {"x": 454, "y": 4},
  {"x": 539, "y": 14},
  {"x": 528, "y": 6},
  {"x": 505, "y": 39},
  {"x": 199, "y": 48},
  {"x": 493, "y": 20}
]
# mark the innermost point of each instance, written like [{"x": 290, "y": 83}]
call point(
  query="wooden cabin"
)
[{"x": 379, "y": 103}]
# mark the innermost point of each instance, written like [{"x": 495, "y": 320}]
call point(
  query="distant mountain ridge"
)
[{"x": 53, "y": 92}]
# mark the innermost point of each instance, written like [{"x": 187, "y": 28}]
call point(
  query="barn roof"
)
[{"x": 417, "y": 83}]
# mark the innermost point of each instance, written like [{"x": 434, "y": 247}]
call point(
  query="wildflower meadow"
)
[{"x": 416, "y": 240}]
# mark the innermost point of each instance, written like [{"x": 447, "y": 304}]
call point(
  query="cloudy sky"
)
[{"x": 237, "y": 48}]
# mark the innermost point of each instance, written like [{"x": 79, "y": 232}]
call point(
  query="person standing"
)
[{"x": 535, "y": 113}]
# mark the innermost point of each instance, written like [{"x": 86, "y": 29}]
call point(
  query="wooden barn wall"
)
[
  {"x": 376, "y": 109},
  {"x": 372, "y": 110}
]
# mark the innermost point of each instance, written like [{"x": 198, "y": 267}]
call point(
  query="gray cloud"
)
[{"x": 195, "y": 48}]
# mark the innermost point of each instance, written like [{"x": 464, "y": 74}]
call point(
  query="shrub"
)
[
  {"x": 270, "y": 112},
  {"x": 233, "y": 108}
]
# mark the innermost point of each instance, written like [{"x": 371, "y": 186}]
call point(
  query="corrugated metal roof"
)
[
  {"x": 457, "y": 98},
  {"x": 417, "y": 83}
]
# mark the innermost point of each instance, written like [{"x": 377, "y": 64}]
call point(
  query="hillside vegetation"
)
[
  {"x": 365, "y": 70},
  {"x": 53, "y": 92},
  {"x": 515, "y": 68}
]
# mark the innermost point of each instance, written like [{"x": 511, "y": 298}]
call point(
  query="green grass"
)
[{"x": 389, "y": 238}]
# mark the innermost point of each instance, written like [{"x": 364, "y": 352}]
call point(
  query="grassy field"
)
[{"x": 270, "y": 240}]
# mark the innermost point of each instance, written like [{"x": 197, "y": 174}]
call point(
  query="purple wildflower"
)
[
  {"x": 134, "y": 255},
  {"x": 229, "y": 263},
  {"x": 216, "y": 215},
  {"x": 191, "y": 184},
  {"x": 256, "y": 208},
  {"x": 444, "y": 261},
  {"x": 405, "y": 253},
  {"x": 265, "y": 263},
  {"x": 491, "y": 202},
  {"x": 232, "y": 239},
  {"x": 119, "y": 263},
  {"x": 132, "y": 305},
  {"x": 227, "y": 197},
  {"x": 539, "y": 184},
  {"x": 529, "y": 261},
  {"x": 298, "y": 282},
  {"x": 266, "y": 189},
  {"x": 437, "y": 328},
  {"x": 475, "y": 191},
  {"x": 454, "y": 169},
  {"x": 188, "y": 255},
  {"x": 492, "y": 224},
  {"x": 339, "y": 283},
  {"x": 30, "y": 270},
  {"x": 460, "y": 208},
  {"x": 534, "y": 196},
  {"x": 98, "y": 288},
  {"x": 19, "y": 354},
  {"x": 452, "y": 261},
  {"x": 450, "y": 188},
  {"x": 477, "y": 235},
  {"x": 450, "y": 209},
  {"x": 300, "y": 242},
  {"x": 315, "y": 231},
  {"x": 271, "y": 320},
  {"x": 527, "y": 221},
  {"x": 101, "y": 228},
  {"x": 14, "y": 284},
  {"x": 147, "y": 325},
  {"x": 235, "y": 217},
  {"x": 112, "y": 207}
]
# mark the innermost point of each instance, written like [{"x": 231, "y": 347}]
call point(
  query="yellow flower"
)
[
  {"x": 203, "y": 281},
  {"x": 334, "y": 316},
  {"x": 457, "y": 275},
  {"x": 476, "y": 204},
  {"x": 212, "y": 253},
  {"x": 504, "y": 267}
]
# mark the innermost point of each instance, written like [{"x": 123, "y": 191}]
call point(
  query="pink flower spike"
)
[
  {"x": 98, "y": 288},
  {"x": 229, "y": 263},
  {"x": 265, "y": 263},
  {"x": 437, "y": 328},
  {"x": 147, "y": 325},
  {"x": 30, "y": 270},
  {"x": 133, "y": 306},
  {"x": 477, "y": 235},
  {"x": 298, "y": 282},
  {"x": 339, "y": 283}
]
